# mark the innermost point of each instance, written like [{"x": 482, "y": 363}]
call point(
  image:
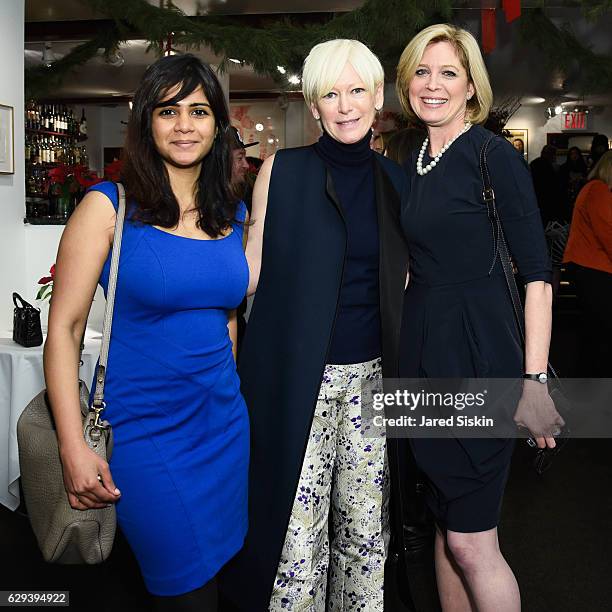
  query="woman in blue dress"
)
[
  {"x": 458, "y": 315},
  {"x": 178, "y": 472}
]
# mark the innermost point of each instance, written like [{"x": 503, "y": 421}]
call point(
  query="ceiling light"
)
[
  {"x": 294, "y": 79},
  {"x": 270, "y": 140},
  {"x": 281, "y": 69},
  {"x": 533, "y": 100},
  {"x": 259, "y": 127},
  {"x": 130, "y": 104},
  {"x": 115, "y": 58},
  {"x": 234, "y": 60},
  {"x": 558, "y": 109}
]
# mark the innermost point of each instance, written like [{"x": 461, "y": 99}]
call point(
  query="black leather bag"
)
[
  {"x": 543, "y": 456},
  {"x": 26, "y": 323}
]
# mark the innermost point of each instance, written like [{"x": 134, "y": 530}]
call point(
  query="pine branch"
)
[
  {"x": 590, "y": 72},
  {"x": 385, "y": 26}
]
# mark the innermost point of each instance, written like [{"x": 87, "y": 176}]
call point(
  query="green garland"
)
[
  {"x": 589, "y": 73},
  {"x": 384, "y": 25}
]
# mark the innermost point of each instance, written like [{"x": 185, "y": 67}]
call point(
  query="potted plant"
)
[
  {"x": 43, "y": 297},
  {"x": 63, "y": 188}
]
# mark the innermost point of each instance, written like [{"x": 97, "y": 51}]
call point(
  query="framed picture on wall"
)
[
  {"x": 519, "y": 139},
  {"x": 7, "y": 138}
]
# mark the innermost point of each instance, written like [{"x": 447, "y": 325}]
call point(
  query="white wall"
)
[
  {"x": 95, "y": 130},
  {"x": 294, "y": 124},
  {"x": 12, "y": 186}
]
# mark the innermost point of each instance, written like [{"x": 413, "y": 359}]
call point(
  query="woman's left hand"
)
[{"x": 536, "y": 412}]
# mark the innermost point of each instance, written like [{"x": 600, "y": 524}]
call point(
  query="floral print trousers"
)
[{"x": 342, "y": 467}]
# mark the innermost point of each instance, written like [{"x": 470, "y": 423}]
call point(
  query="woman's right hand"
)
[
  {"x": 84, "y": 247},
  {"x": 87, "y": 479}
]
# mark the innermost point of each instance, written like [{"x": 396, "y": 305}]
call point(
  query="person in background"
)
[
  {"x": 254, "y": 164},
  {"x": 403, "y": 143},
  {"x": 330, "y": 270},
  {"x": 573, "y": 175},
  {"x": 180, "y": 424},
  {"x": 599, "y": 145},
  {"x": 458, "y": 316},
  {"x": 380, "y": 141},
  {"x": 519, "y": 145},
  {"x": 547, "y": 185},
  {"x": 377, "y": 143},
  {"x": 241, "y": 185},
  {"x": 589, "y": 255}
]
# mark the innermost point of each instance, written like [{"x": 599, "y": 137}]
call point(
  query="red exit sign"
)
[{"x": 575, "y": 121}]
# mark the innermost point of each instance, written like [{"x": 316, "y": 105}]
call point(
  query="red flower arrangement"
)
[
  {"x": 85, "y": 177},
  {"x": 67, "y": 180},
  {"x": 112, "y": 171},
  {"x": 62, "y": 181},
  {"x": 47, "y": 285}
]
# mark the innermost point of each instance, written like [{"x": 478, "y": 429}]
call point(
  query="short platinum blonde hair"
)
[
  {"x": 327, "y": 60},
  {"x": 603, "y": 169},
  {"x": 467, "y": 49}
]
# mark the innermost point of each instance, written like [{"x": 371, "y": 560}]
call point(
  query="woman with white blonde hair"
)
[
  {"x": 329, "y": 266},
  {"x": 459, "y": 320}
]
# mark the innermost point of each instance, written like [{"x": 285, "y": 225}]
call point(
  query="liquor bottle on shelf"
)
[
  {"x": 83, "y": 124},
  {"x": 37, "y": 157},
  {"x": 53, "y": 138}
]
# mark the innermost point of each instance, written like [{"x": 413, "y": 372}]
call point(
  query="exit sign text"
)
[{"x": 575, "y": 121}]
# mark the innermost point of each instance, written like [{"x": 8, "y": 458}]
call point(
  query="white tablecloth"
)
[{"x": 21, "y": 378}]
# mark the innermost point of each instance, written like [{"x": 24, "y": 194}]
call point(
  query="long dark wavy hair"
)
[{"x": 144, "y": 172}]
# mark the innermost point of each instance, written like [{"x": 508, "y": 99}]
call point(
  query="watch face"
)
[{"x": 542, "y": 377}]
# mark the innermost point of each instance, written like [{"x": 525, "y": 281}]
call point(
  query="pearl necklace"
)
[{"x": 419, "y": 165}]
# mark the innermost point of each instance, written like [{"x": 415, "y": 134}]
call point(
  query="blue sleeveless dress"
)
[{"x": 173, "y": 398}]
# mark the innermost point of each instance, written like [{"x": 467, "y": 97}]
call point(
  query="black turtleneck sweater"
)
[{"x": 356, "y": 336}]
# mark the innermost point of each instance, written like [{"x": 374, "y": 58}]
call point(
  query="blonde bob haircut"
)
[
  {"x": 467, "y": 49},
  {"x": 327, "y": 60},
  {"x": 602, "y": 170}
]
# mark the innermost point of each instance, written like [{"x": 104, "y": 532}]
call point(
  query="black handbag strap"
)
[
  {"x": 17, "y": 298},
  {"x": 500, "y": 247}
]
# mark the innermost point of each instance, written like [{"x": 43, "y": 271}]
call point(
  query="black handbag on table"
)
[
  {"x": 26, "y": 323},
  {"x": 543, "y": 456}
]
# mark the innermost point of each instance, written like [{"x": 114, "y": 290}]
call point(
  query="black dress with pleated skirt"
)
[{"x": 458, "y": 318}]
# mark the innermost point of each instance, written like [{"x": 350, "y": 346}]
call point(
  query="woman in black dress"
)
[{"x": 458, "y": 316}]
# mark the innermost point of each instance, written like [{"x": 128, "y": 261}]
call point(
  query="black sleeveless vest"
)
[{"x": 288, "y": 335}]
